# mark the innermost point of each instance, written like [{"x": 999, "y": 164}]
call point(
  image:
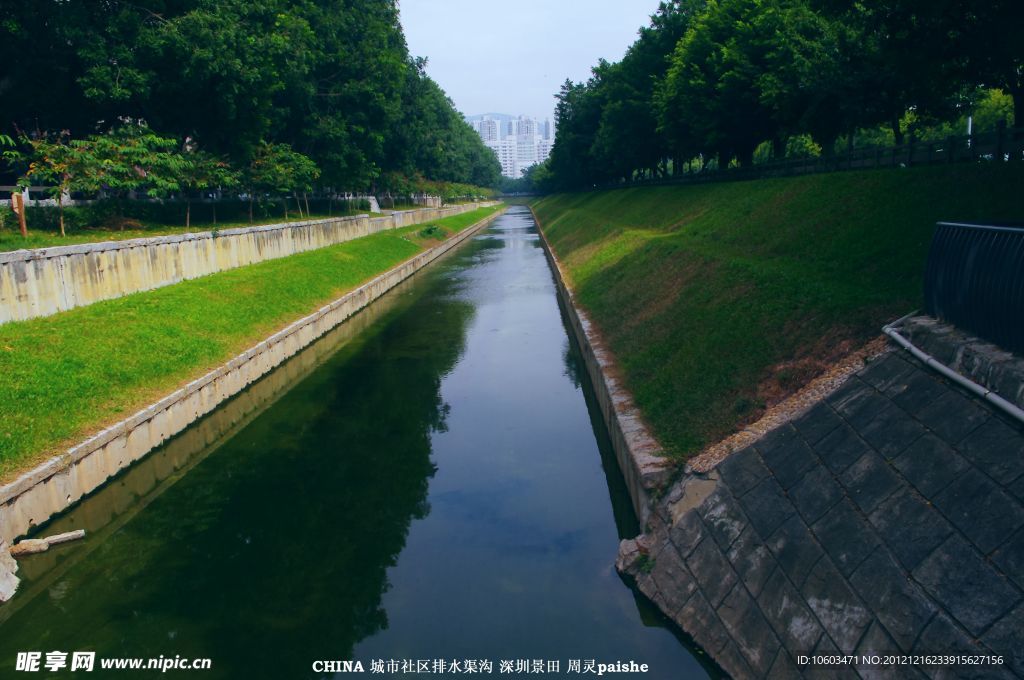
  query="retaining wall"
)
[
  {"x": 60, "y": 482},
  {"x": 45, "y": 281}
]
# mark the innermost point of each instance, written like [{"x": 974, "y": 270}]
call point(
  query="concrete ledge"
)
[
  {"x": 970, "y": 356},
  {"x": 45, "y": 281},
  {"x": 60, "y": 482},
  {"x": 637, "y": 451}
]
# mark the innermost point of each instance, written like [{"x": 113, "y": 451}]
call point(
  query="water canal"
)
[{"x": 429, "y": 481}]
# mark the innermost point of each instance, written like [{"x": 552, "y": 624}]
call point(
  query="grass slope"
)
[
  {"x": 718, "y": 300},
  {"x": 66, "y": 375}
]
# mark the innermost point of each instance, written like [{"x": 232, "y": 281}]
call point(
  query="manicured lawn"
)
[
  {"x": 719, "y": 299},
  {"x": 11, "y": 238},
  {"x": 67, "y": 375}
]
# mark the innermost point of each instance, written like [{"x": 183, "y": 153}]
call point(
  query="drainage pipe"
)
[{"x": 937, "y": 365}]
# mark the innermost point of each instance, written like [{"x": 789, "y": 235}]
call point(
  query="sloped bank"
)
[
  {"x": 852, "y": 530},
  {"x": 54, "y": 486}
]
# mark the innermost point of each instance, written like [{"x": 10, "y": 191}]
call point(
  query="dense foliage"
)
[
  {"x": 331, "y": 79},
  {"x": 736, "y": 81}
]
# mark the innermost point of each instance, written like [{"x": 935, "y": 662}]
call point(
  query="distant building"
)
[
  {"x": 488, "y": 130},
  {"x": 517, "y": 142}
]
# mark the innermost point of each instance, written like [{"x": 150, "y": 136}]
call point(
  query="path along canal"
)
[{"x": 430, "y": 481}]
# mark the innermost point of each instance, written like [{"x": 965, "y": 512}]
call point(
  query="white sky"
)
[{"x": 513, "y": 56}]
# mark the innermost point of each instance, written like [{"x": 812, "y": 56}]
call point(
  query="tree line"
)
[
  {"x": 720, "y": 82},
  {"x": 327, "y": 85}
]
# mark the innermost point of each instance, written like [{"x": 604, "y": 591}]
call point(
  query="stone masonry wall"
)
[
  {"x": 45, "y": 281},
  {"x": 887, "y": 519}
]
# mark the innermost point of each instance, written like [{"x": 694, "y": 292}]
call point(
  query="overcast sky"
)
[{"x": 512, "y": 56}]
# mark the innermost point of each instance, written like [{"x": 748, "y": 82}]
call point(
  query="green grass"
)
[
  {"x": 69, "y": 374},
  {"x": 11, "y": 238},
  {"x": 718, "y": 299}
]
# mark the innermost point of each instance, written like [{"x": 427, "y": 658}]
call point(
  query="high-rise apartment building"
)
[{"x": 517, "y": 142}]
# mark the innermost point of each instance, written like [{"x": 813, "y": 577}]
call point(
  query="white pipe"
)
[{"x": 936, "y": 365}]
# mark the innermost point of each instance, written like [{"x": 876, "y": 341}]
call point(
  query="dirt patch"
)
[{"x": 789, "y": 403}]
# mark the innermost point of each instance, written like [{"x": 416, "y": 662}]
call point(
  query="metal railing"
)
[
  {"x": 1002, "y": 145},
  {"x": 975, "y": 280}
]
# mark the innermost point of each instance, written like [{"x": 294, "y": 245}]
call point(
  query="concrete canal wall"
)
[
  {"x": 62, "y": 481},
  {"x": 45, "y": 281},
  {"x": 637, "y": 451},
  {"x": 887, "y": 519}
]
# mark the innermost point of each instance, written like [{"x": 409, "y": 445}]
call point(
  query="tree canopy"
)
[
  {"x": 728, "y": 81},
  {"x": 333, "y": 79}
]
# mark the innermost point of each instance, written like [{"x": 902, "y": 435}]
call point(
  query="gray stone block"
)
[
  {"x": 817, "y": 423},
  {"x": 841, "y": 449},
  {"x": 877, "y": 642},
  {"x": 713, "y": 572},
  {"x": 675, "y": 583},
  {"x": 815, "y": 494},
  {"x": 930, "y": 465},
  {"x": 941, "y": 636},
  {"x": 700, "y": 621},
  {"x": 1010, "y": 558},
  {"x": 953, "y": 416},
  {"x": 980, "y": 509},
  {"x": 778, "y": 438},
  {"x": 795, "y": 549},
  {"x": 790, "y": 461},
  {"x": 686, "y": 533},
  {"x": 960, "y": 580},
  {"x": 783, "y": 668},
  {"x": 917, "y": 389},
  {"x": 723, "y": 517},
  {"x": 752, "y": 560},
  {"x": 845, "y": 536},
  {"x": 732, "y": 662},
  {"x": 1006, "y": 637},
  {"x": 742, "y": 470},
  {"x": 910, "y": 528},
  {"x": 889, "y": 431},
  {"x": 998, "y": 449},
  {"x": 839, "y": 610},
  {"x": 895, "y": 600},
  {"x": 887, "y": 371},
  {"x": 747, "y": 626},
  {"x": 852, "y": 390},
  {"x": 826, "y": 647},
  {"x": 766, "y": 507},
  {"x": 870, "y": 481},
  {"x": 789, "y": 617}
]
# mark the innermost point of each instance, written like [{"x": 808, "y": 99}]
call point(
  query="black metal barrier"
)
[{"x": 975, "y": 281}]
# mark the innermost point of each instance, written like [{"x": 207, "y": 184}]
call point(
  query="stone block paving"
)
[{"x": 889, "y": 519}]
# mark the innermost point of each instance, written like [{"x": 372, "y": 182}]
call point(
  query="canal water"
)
[{"x": 432, "y": 481}]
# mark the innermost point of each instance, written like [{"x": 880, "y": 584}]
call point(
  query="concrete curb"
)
[
  {"x": 60, "y": 482},
  {"x": 637, "y": 451}
]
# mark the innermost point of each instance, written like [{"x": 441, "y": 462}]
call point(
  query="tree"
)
[
  {"x": 129, "y": 158},
  {"x": 201, "y": 171},
  {"x": 57, "y": 163},
  {"x": 712, "y": 87},
  {"x": 278, "y": 170}
]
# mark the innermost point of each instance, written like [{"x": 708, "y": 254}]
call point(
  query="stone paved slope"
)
[{"x": 888, "y": 519}]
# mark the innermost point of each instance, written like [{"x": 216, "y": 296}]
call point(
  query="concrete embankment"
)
[
  {"x": 54, "y": 486},
  {"x": 638, "y": 453},
  {"x": 887, "y": 519},
  {"x": 45, "y": 281}
]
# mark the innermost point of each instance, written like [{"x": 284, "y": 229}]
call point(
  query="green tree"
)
[
  {"x": 278, "y": 170},
  {"x": 202, "y": 171}
]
